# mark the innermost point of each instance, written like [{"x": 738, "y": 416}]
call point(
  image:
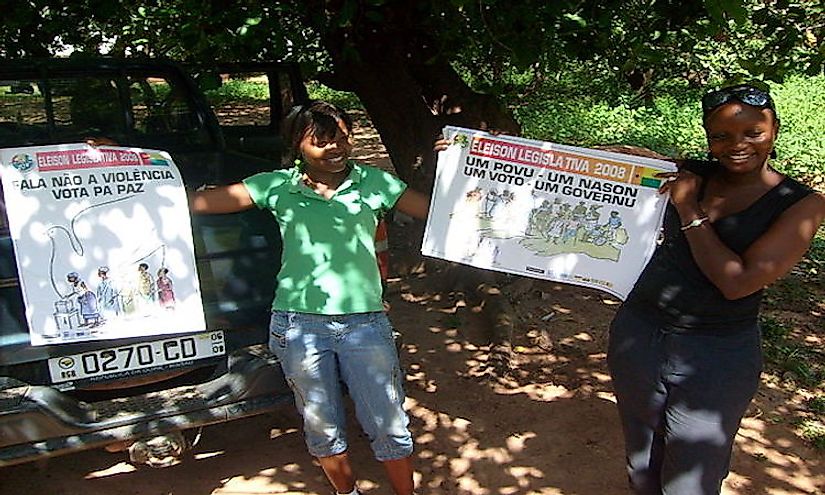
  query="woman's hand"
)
[
  {"x": 683, "y": 187},
  {"x": 441, "y": 144},
  {"x": 97, "y": 141}
]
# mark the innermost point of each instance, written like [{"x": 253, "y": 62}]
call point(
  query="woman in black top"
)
[{"x": 684, "y": 349}]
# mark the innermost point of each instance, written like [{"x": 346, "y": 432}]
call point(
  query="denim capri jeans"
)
[{"x": 318, "y": 353}]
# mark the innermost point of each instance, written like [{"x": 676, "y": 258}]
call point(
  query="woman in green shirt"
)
[{"x": 328, "y": 323}]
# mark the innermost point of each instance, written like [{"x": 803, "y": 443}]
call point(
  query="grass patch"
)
[
  {"x": 344, "y": 99},
  {"x": 246, "y": 91},
  {"x": 789, "y": 358},
  {"x": 575, "y": 109},
  {"x": 801, "y": 290},
  {"x": 813, "y": 431},
  {"x": 816, "y": 405},
  {"x": 255, "y": 91},
  {"x": 799, "y": 366},
  {"x": 587, "y": 120},
  {"x": 813, "y": 263}
]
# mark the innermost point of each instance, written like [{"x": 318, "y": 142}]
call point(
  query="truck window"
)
[
  {"x": 87, "y": 107},
  {"x": 82, "y": 107},
  {"x": 241, "y": 99},
  {"x": 160, "y": 106},
  {"x": 23, "y": 118}
]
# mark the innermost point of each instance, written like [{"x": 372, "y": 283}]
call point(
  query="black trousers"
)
[{"x": 681, "y": 397}]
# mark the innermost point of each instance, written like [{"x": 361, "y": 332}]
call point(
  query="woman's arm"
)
[
  {"x": 771, "y": 256},
  {"x": 413, "y": 203},
  {"x": 225, "y": 199}
]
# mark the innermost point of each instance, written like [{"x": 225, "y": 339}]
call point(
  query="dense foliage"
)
[
  {"x": 642, "y": 40},
  {"x": 417, "y": 65},
  {"x": 565, "y": 111}
]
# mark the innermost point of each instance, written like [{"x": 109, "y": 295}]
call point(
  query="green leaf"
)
[
  {"x": 760, "y": 15},
  {"x": 735, "y": 9},
  {"x": 715, "y": 10},
  {"x": 576, "y": 19}
]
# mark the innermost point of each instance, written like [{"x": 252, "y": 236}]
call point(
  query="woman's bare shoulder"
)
[{"x": 811, "y": 208}]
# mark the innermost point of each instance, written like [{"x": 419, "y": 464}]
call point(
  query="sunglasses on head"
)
[{"x": 748, "y": 95}]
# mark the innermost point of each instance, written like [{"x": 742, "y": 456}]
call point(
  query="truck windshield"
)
[{"x": 133, "y": 108}]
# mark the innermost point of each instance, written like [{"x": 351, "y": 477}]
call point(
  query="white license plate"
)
[{"x": 134, "y": 359}]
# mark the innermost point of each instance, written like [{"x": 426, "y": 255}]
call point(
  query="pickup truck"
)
[{"x": 158, "y": 105}]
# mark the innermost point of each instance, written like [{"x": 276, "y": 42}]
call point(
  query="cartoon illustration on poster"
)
[
  {"x": 545, "y": 210},
  {"x": 103, "y": 242}
]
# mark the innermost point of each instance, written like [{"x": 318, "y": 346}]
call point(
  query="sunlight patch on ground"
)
[
  {"x": 277, "y": 432},
  {"x": 263, "y": 483},
  {"x": 525, "y": 476},
  {"x": 606, "y": 396},
  {"x": 752, "y": 441},
  {"x": 423, "y": 383},
  {"x": 206, "y": 455},
  {"x": 119, "y": 468},
  {"x": 515, "y": 442},
  {"x": 570, "y": 341},
  {"x": 561, "y": 309},
  {"x": 601, "y": 377},
  {"x": 735, "y": 484},
  {"x": 412, "y": 298},
  {"x": 540, "y": 392},
  {"x": 454, "y": 347}
]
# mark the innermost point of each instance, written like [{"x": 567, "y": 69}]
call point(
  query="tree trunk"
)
[{"x": 409, "y": 90}]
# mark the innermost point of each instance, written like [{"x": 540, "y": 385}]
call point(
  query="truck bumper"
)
[{"x": 39, "y": 421}]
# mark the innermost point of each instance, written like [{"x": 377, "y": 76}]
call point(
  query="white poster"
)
[
  {"x": 545, "y": 210},
  {"x": 103, "y": 242}
]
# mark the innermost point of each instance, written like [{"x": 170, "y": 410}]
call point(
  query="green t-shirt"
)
[{"x": 328, "y": 263}]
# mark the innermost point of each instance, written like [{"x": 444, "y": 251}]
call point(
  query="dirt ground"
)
[{"x": 549, "y": 428}]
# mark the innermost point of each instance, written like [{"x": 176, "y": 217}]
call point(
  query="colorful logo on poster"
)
[
  {"x": 154, "y": 159},
  {"x": 646, "y": 177},
  {"x": 461, "y": 139},
  {"x": 22, "y": 162}
]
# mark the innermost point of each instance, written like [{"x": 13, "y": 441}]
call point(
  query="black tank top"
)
[{"x": 672, "y": 289}]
